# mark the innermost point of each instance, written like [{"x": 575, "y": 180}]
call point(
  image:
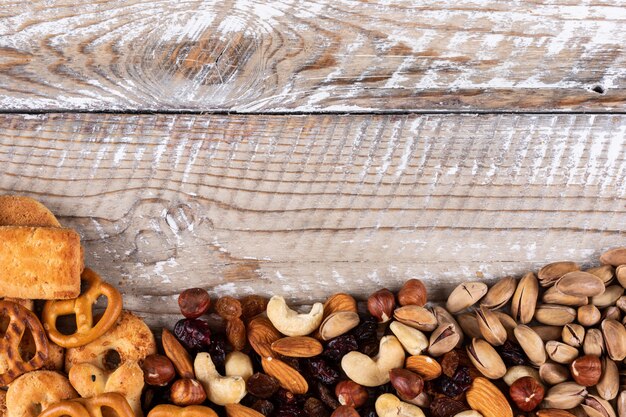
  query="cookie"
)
[{"x": 34, "y": 391}]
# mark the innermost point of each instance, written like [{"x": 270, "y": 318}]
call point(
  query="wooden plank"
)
[
  {"x": 306, "y": 205},
  {"x": 327, "y": 55}
]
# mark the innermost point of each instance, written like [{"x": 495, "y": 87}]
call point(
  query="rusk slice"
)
[{"x": 39, "y": 262}]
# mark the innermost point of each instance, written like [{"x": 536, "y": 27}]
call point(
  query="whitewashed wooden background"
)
[{"x": 304, "y": 147}]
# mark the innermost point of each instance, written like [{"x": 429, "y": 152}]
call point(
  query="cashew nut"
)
[
  {"x": 372, "y": 372},
  {"x": 388, "y": 405},
  {"x": 221, "y": 390},
  {"x": 238, "y": 364},
  {"x": 290, "y": 322},
  {"x": 413, "y": 340}
]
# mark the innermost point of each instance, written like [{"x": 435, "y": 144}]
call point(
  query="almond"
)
[
  {"x": 261, "y": 335},
  {"x": 487, "y": 399},
  {"x": 177, "y": 354},
  {"x": 424, "y": 366},
  {"x": 287, "y": 377},
  {"x": 238, "y": 410},
  {"x": 339, "y": 302},
  {"x": 297, "y": 347}
]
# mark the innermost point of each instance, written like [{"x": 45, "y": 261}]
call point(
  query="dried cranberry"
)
[
  {"x": 338, "y": 347},
  {"x": 366, "y": 330},
  {"x": 315, "y": 408},
  {"x": 194, "y": 334},
  {"x": 327, "y": 396},
  {"x": 512, "y": 354},
  {"x": 263, "y": 406},
  {"x": 323, "y": 371},
  {"x": 217, "y": 350},
  {"x": 262, "y": 385},
  {"x": 289, "y": 411},
  {"x": 446, "y": 407}
]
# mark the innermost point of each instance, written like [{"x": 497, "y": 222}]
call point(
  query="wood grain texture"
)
[
  {"x": 325, "y": 55},
  {"x": 306, "y": 205}
]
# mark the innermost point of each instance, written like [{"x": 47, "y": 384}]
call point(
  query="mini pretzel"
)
[
  {"x": 20, "y": 319},
  {"x": 166, "y": 410},
  {"x": 65, "y": 409},
  {"x": 111, "y": 400},
  {"x": 85, "y": 330}
]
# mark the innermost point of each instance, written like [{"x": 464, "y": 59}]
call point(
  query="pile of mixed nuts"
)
[{"x": 551, "y": 344}]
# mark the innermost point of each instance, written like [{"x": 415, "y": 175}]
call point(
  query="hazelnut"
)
[
  {"x": 186, "y": 392},
  {"x": 194, "y": 302},
  {"x": 158, "y": 370},
  {"x": 413, "y": 292},
  {"x": 586, "y": 370},
  {"x": 381, "y": 305},
  {"x": 527, "y": 393},
  {"x": 344, "y": 411},
  {"x": 408, "y": 384},
  {"x": 351, "y": 394}
]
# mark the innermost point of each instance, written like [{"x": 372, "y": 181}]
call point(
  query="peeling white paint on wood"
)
[{"x": 339, "y": 56}]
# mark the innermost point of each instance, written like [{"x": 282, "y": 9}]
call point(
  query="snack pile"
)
[{"x": 551, "y": 344}]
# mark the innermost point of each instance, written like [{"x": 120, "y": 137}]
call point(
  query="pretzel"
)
[
  {"x": 166, "y": 410},
  {"x": 86, "y": 331},
  {"x": 91, "y": 407},
  {"x": 11, "y": 363}
]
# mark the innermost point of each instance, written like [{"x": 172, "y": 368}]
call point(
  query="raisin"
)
[
  {"x": 450, "y": 362},
  {"x": 263, "y": 406},
  {"x": 512, "y": 354},
  {"x": 293, "y": 362},
  {"x": 462, "y": 378},
  {"x": 217, "y": 350},
  {"x": 446, "y": 407},
  {"x": 194, "y": 334},
  {"x": 446, "y": 386},
  {"x": 252, "y": 305},
  {"x": 315, "y": 408},
  {"x": 285, "y": 397},
  {"x": 262, "y": 385},
  {"x": 112, "y": 360},
  {"x": 366, "y": 330},
  {"x": 228, "y": 307},
  {"x": 236, "y": 333},
  {"x": 368, "y": 412},
  {"x": 338, "y": 347},
  {"x": 369, "y": 348},
  {"x": 289, "y": 411},
  {"x": 326, "y": 395},
  {"x": 323, "y": 371}
]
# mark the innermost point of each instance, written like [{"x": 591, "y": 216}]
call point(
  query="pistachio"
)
[
  {"x": 554, "y": 296},
  {"x": 469, "y": 324},
  {"x": 516, "y": 372},
  {"x": 490, "y": 326},
  {"x": 554, "y": 314},
  {"x": 413, "y": 340},
  {"x": 417, "y": 317},
  {"x": 580, "y": 284},
  {"x": 465, "y": 295},
  {"x": 508, "y": 323},
  {"x": 338, "y": 323},
  {"x": 500, "y": 293},
  {"x": 560, "y": 352},
  {"x": 611, "y": 312},
  {"x": 608, "y": 385},
  {"x": 547, "y": 333},
  {"x": 615, "y": 339},
  {"x": 553, "y": 373},
  {"x": 595, "y": 406},
  {"x": 620, "y": 273},
  {"x": 442, "y": 316},
  {"x": 609, "y": 297},
  {"x": 594, "y": 343},
  {"x": 588, "y": 315},
  {"x": 605, "y": 272},
  {"x": 621, "y": 404},
  {"x": 525, "y": 299},
  {"x": 615, "y": 257},
  {"x": 531, "y": 344},
  {"x": 565, "y": 395},
  {"x": 573, "y": 334},
  {"x": 550, "y": 273},
  {"x": 486, "y": 359},
  {"x": 443, "y": 340}
]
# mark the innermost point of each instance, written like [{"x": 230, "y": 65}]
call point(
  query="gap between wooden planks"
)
[
  {"x": 325, "y": 55},
  {"x": 306, "y": 205}
]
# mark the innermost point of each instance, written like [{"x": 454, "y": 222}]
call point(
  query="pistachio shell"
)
[
  {"x": 531, "y": 344},
  {"x": 443, "y": 340},
  {"x": 553, "y": 373},
  {"x": 516, "y": 372},
  {"x": 525, "y": 299},
  {"x": 490, "y": 326},
  {"x": 469, "y": 324},
  {"x": 417, "y": 317},
  {"x": 608, "y": 386},
  {"x": 554, "y": 314},
  {"x": 547, "y": 333},
  {"x": 608, "y": 297},
  {"x": 605, "y": 272},
  {"x": 595, "y": 406},
  {"x": 588, "y": 315},
  {"x": 500, "y": 293},
  {"x": 614, "y": 335},
  {"x": 612, "y": 312},
  {"x": 338, "y": 323},
  {"x": 565, "y": 395},
  {"x": 443, "y": 316},
  {"x": 580, "y": 284},
  {"x": 615, "y": 257},
  {"x": 486, "y": 359},
  {"x": 573, "y": 334},
  {"x": 560, "y": 352},
  {"x": 620, "y": 273},
  {"x": 465, "y": 295},
  {"x": 550, "y": 273},
  {"x": 508, "y": 323},
  {"x": 553, "y": 296},
  {"x": 621, "y": 404},
  {"x": 594, "y": 343}
]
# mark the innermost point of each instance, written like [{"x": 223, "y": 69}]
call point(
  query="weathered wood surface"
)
[
  {"x": 327, "y": 55},
  {"x": 306, "y": 205}
]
